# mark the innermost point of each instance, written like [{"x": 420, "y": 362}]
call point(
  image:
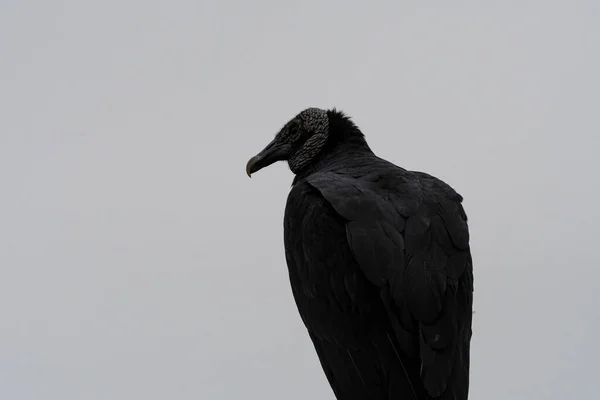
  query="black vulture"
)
[{"x": 379, "y": 263}]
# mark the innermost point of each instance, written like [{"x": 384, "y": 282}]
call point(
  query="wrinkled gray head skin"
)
[
  {"x": 299, "y": 142},
  {"x": 307, "y": 133}
]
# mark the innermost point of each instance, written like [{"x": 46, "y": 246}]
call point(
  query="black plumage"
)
[{"x": 379, "y": 264}]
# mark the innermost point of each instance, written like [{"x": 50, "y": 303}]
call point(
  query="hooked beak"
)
[{"x": 275, "y": 151}]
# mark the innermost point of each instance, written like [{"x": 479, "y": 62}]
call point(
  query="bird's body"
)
[{"x": 381, "y": 272}]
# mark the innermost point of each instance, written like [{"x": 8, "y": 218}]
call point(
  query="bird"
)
[{"x": 379, "y": 263}]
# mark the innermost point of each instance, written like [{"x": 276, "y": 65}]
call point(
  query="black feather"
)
[{"x": 381, "y": 272}]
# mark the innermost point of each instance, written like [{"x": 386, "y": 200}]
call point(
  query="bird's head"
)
[
  {"x": 298, "y": 142},
  {"x": 303, "y": 139}
]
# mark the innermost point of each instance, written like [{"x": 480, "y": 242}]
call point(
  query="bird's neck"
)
[{"x": 336, "y": 155}]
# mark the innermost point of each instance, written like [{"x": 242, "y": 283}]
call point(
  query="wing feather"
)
[{"x": 413, "y": 243}]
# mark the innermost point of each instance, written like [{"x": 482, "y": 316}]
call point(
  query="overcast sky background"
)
[{"x": 137, "y": 259}]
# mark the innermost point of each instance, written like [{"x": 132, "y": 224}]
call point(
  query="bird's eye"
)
[{"x": 294, "y": 130}]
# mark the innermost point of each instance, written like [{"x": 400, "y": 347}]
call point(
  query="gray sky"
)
[{"x": 138, "y": 261}]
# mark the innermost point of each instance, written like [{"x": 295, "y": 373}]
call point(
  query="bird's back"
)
[{"x": 353, "y": 226}]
